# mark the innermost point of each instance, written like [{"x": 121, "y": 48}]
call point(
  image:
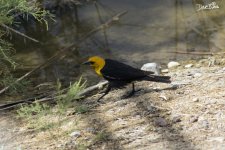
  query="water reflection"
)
[{"x": 146, "y": 33}]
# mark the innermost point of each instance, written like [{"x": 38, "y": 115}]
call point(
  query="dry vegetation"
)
[{"x": 160, "y": 116}]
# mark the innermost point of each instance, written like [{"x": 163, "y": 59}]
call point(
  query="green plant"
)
[
  {"x": 102, "y": 136},
  {"x": 6, "y": 51},
  {"x": 35, "y": 115},
  {"x": 65, "y": 101},
  {"x": 9, "y": 9},
  {"x": 81, "y": 109},
  {"x": 15, "y": 87},
  {"x": 81, "y": 147},
  {"x": 38, "y": 114}
]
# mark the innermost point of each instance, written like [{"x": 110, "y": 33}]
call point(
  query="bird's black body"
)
[
  {"x": 119, "y": 74},
  {"x": 117, "y": 71}
]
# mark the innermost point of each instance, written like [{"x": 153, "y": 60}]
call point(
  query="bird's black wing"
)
[{"x": 114, "y": 70}]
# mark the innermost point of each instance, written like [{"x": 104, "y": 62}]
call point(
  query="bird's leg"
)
[
  {"x": 106, "y": 91},
  {"x": 130, "y": 93}
]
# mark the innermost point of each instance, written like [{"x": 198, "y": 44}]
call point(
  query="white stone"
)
[
  {"x": 195, "y": 99},
  {"x": 163, "y": 97},
  {"x": 188, "y": 65},
  {"x": 173, "y": 64},
  {"x": 196, "y": 75},
  {"x": 165, "y": 70},
  {"x": 75, "y": 134},
  {"x": 154, "y": 67}
]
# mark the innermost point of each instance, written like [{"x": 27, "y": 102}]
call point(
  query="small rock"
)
[
  {"x": 173, "y": 64},
  {"x": 205, "y": 124},
  {"x": 176, "y": 119},
  {"x": 161, "y": 122},
  {"x": 75, "y": 134},
  {"x": 154, "y": 67},
  {"x": 188, "y": 65},
  {"x": 196, "y": 75},
  {"x": 193, "y": 119},
  {"x": 165, "y": 71},
  {"x": 91, "y": 130},
  {"x": 163, "y": 97},
  {"x": 195, "y": 99},
  {"x": 151, "y": 109}
]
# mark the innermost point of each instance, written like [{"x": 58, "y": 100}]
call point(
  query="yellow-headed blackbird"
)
[{"x": 119, "y": 74}]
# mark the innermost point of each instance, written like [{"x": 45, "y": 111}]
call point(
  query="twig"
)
[
  {"x": 19, "y": 33},
  {"x": 28, "y": 100},
  {"x": 92, "y": 88},
  {"x": 59, "y": 52}
]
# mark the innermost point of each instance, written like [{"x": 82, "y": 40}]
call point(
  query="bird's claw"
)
[
  {"x": 100, "y": 102},
  {"x": 129, "y": 94}
]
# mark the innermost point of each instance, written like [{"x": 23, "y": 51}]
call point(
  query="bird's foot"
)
[
  {"x": 129, "y": 94},
  {"x": 100, "y": 102}
]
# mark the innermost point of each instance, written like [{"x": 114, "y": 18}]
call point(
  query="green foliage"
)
[
  {"x": 102, "y": 136},
  {"x": 6, "y": 51},
  {"x": 81, "y": 147},
  {"x": 34, "y": 114},
  {"x": 40, "y": 116},
  {"x": 65, "y": 101},
  {"x": 15, "y": 87},
  {"x": 36, "y": 109},
  {"x": 9, "y": 9},
  {"x": 81, "y": 109}
]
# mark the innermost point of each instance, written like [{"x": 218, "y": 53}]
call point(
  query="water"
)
[{"x": 149, "y": 32}]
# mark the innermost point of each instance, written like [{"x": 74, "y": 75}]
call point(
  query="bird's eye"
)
[{"x": 92, "y": 63}]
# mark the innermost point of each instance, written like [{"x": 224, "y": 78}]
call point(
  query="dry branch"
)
[{"x": 19, "y": 33}]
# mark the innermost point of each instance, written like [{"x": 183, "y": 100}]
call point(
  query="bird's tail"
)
[{"x": 155, "y": 78}]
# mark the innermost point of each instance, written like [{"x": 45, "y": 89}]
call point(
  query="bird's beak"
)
[{"x": 86, "y": 63}]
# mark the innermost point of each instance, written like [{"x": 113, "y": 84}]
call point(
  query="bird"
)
[{"x": 119, "y": 74}]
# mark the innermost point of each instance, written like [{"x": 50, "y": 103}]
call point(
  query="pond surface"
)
[{"x": 150, "y": 31}]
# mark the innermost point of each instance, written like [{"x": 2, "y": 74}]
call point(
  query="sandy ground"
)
[{"x": 188, "y": 114}]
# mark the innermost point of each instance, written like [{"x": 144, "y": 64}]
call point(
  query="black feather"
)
[{"x": 114, "y": 70}]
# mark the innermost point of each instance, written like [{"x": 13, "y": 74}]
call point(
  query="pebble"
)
[
  {"x": 196, "y": 75},
  {"x": 163, "y": 97},
  {"x": 205, "y": 124},
  {"x": 195, "y": 99},
  {"x": 193, "y": 119},
  {"x": 161, "y": 122},
  {"x": 154, "y": 67},
  {"x": 90, "y": 130},
  {"x": 188, "y": 65},
  {"x": 173, "y": 64},
  {"x": 151, "y": 109},
  {"x": 75, "y": 134},
  {"x": 176, "y": 119},
  {"x": 165, "y": 71}
]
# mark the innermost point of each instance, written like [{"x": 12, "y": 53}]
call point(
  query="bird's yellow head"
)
[{"x": 97, "y": 63}]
